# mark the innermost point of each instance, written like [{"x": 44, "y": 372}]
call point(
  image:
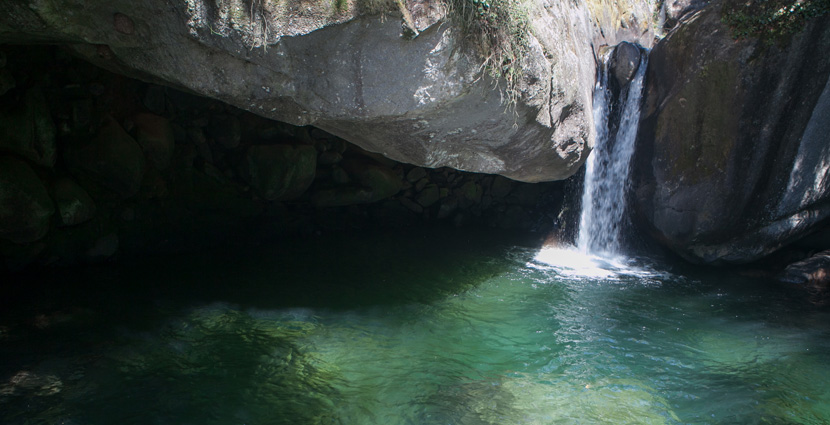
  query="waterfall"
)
[{"x": 606, "y": 171}]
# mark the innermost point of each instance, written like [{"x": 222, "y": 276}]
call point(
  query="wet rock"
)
[
  {"x": 447, "y": 208},
  {"x": 155, "y": 186},
  {"x": 25, "y": 206},
  {"x": 419, "y": 186},
  {"x": 415, "y": 174},
  {"x": 382, "y": 181},
  {"x": 104, "y": 247},
  {"x": 501, "y": 187},
  {"x": 7, "y": 81},
  {"x": 515, "y": 217},
  {"x": 813, "y": 271},
  {"x": 206, "y": 153},
  {"x": 195, "y": 135},
  {"x": 27, "y": 129},
  {"x": 412, "y": 205},
  {"x": 81, "y": 115},
  {"x": 27, "y": 383},
  {"x": 625, "y": 60},
  {"x": 279, "y": 172},
  {"x": 154, "y": 99},
  {"x": 526, "y": 195},
  {"x": 225, "y": 130},
  {"x": 112, "y": 160},
  {"x": 340, "y": 176},
  {"x": 329, "y": 157},
  {"x": 338, "y": 197},
  {"x": 470, "y": 193},
  {"x": 430, "y": 195},
  {"x": 155, "y": 135},
  {"x": 75, "y": 206}
]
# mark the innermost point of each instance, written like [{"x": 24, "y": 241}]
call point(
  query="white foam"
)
[{"x": 570, "y": 262}]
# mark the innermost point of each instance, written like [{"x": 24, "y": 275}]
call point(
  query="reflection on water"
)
[{"x": 440, "y": 328}]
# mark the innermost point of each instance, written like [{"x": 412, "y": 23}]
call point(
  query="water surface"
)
[{"x": 419, "y": 327}]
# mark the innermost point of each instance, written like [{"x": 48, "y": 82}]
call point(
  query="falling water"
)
[{"x": 606, "y": 172}]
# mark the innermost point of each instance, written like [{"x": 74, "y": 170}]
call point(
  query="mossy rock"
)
[
  {"x": 25, "y": 206},
  {"x": 429, "y": 196},
  {"x": 279, "y": 172},
  {"x": 27, "y": 129}
]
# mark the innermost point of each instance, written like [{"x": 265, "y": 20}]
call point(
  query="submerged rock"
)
[
  {"x": 25, "y": 206},
  {"x": 732, "y": 155}
]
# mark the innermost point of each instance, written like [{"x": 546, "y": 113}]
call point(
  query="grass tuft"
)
[{"x": 497, "y": 30}]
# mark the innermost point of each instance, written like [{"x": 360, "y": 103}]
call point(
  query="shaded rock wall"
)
[
  {"x": 732, "y": 159},
  {"x": 138, "y": 168},
  {"x": 345, "y": 68}
]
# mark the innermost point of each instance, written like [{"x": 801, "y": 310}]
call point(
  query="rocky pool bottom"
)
[{"x": 440, "y": 326}]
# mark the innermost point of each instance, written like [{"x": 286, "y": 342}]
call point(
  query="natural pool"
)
[{"x": 439, "y": 326}]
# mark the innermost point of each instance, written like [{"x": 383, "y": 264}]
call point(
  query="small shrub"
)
[
  {"x": 771, "y": 19},
  {"x": 497, "y": 30}
]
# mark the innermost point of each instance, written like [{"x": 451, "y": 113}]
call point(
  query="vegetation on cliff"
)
[
  {"x": 771, "y": 19},
  {"x": 498, "y": 30}
]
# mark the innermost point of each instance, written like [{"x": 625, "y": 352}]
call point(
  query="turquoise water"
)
[{"x": 420, "y": 327}]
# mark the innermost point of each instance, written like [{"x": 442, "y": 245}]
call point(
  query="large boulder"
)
[
  {"x": 625, "y": 60},
  {"x": 733, "y": 154},
  {"x": 25, "y": 207},
  {"x": 424, "y": 95}
]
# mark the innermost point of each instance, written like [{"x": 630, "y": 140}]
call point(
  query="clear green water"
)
[{"x": 423, "y": 327}]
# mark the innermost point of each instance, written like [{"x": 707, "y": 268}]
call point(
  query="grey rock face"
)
[
  {"x": 732, "y": 159},
  {"x": 671, "y": 12},
  {"x": 424, "y": 101}
]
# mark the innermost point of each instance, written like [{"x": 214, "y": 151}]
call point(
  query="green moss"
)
[{"x": 771, "y": 19}]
